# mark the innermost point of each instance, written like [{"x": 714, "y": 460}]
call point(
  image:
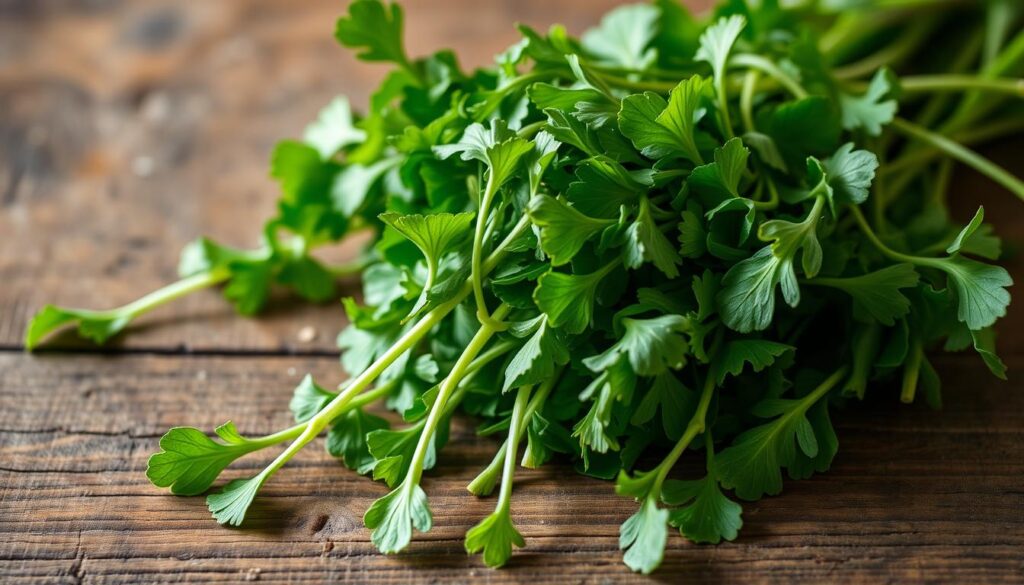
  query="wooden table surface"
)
[{"x": 129, "y": 128}]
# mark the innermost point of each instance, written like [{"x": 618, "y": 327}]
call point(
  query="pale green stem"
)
[
  {"x": 959, "y": 83},
  {"x": 339, "y": 404},
  {"x": 480, "y": 339},
  {"x": 771, "y": 69},
  {"x": 962, "y": 154},
  {"x": 478, "y": 243},
  {"x": 747, "y": 98},
  {"x": 913, "y": 161},
  {"x": 512, "y": 447},
  {"x": 168, "y": 293},
  {"x": 911, "y": 371},
  {"x": 694, "y": 428}
]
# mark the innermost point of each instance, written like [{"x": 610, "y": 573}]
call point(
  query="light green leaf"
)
[
  {"x": 97, "y": 326},
  {"x": 706, "y": 515},
  {"x": 651, "y": 345},
  {"x": 563, "y": 229},
  {"x": 872, "y": 110},
  {"x": 496, "y": 146},
  {"x": 230, "y": 505},
  {"x": 643, "y": 537},
  {"x": 434, "y": 234},
  {"x": 189, "y": 462},
  {"x": 308, "y": 399},
  {"x": 333, "y": 129},
  {"x": 623, "y": 37},
  {"x": 373, "y": 29},
  {"x": 352, "y": 187},
  {"x": 568, "y": 299},
  {"x": 494, "y": 535},
  {"x": 537, "y": 359},
  {"x": 965, "y": 234},
  {"x": 850, "y": 173},
  {"x": 980, "y": 289},
  {"x": 717, "y": 41},
  {"x": 659, "y": 128},
  {"x": 393, "y": 517}
]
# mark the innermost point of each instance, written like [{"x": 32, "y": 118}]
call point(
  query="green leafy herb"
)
[{"x": 582, "y": 247}]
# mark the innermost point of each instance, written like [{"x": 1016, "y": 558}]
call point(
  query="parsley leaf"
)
[
  {"x": 393, "y": 517},
  {"x": 872, "y": 110},
  {"x": 623, "y": 37},
  {"x": 375, "y": 29},
  {"x": 659, "y": 128},
  {"x": 643, "y": 537}
]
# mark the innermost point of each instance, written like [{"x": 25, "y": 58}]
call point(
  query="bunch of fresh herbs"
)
[{"x": 672, "y": 236}]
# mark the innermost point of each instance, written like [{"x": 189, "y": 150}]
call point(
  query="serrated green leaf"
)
[
  {"x": 230, "y": 505},
  {"x": 495, "y": 535},
  {"x": 308, "y": 399},
  {"x": 537, "y": 359},
  {"x": 623, "y": 37},
  {"x": 333, "y": 129},
  {"x": 736, "y": 354},
  {"x": 660, "y": 128},
  {"x": 850, "y": 173},
  {"x": 189, "y": 461},
  {"x": 568, "y": 299},
  {"x": 872, "y": 110},
  {"x": 375, "y": 29},
  {"x": 643, "y": 537},
  {"x": 652, "y": 346},
  {"x": 876, "y": 295},
  {"x": 393, "y": 517},
  {"x": 706, "y": 515},
  {"x": 980, "y": 290},
  {"x": 563, "y": 229}
]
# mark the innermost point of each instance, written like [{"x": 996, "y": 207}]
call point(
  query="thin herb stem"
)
[
  {"x": 696, "y": 424},
  {"x": 169, "y": 293},
  {"x": 458, "y": 371},
  {"x": 512, "y": 447},
  {"x": 914, "y": 160},
  {"x": 769, "y": 68},
  {"x": 957, "y": 83},
  {"x": 911, "y": 371},
  {"x": 747, "y": 98},
  {"x": 477, "y": 255},
  {"x": 962, "y": 154}
]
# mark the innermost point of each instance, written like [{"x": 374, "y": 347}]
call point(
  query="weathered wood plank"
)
[{"x": 913, "y": 496}]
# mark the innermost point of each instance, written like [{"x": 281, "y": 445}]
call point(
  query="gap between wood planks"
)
[{"x": 181, "y": 350}]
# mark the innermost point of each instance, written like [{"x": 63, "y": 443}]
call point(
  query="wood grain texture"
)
[{"x": 913, "y": 496}]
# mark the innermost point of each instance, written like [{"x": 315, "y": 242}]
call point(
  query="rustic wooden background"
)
[{"x": 129, "y": 128}]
